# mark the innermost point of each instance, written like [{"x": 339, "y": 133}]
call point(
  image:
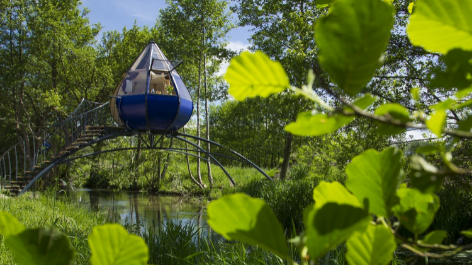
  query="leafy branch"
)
[{"x": 374, "y": 186}]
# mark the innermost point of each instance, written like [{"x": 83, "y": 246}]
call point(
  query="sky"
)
[{"x": 117, "y": 14}]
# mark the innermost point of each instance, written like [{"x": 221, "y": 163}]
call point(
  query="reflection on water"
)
[{"x": 139, "y": 210}]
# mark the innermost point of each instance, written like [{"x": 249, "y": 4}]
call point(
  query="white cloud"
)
[{"x": 235, "y": 46}]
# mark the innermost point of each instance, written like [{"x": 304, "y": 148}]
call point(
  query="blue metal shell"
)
[{"x": 152, "y": 95}]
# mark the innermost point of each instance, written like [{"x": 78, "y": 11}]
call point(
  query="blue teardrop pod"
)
[{"x": 152, "y": 95}]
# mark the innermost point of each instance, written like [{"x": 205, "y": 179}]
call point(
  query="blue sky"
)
[{"x": 116, "y": 14}]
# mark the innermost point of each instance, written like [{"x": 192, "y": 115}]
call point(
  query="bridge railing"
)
[{"x": 40, "y": 149}]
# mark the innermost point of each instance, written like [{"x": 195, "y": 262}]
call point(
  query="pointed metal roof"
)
[{"x": 152, "y": 58}]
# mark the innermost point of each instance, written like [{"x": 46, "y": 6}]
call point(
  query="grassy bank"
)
[
  {"x": 176, "y": 181},
  {"x": 46, "y": 211}
]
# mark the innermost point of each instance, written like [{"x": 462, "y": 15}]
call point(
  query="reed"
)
[
  {"x": 287, "y": 199},
  {"x": 175, "y": 242}
]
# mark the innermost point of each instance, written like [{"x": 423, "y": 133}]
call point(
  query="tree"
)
[
  {"x": 178, "y": 23},
  {"x": 284, "y": 31},
  {"x": 48, "y": 64},
  {"x": 351, "y": 39}
]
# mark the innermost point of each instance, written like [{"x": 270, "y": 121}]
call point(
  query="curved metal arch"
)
[
  {"x": 134, "y": 148},
  {"x": 61, "y": 159},
  {"x": 65, "y": 159},
  {"x": 177, "y": 150},
  {"x": 222, "y": 146},
  {"x": 212, "y": 157}
]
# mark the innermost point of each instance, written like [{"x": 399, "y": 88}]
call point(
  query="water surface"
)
[{"x": 141, "y": 209}]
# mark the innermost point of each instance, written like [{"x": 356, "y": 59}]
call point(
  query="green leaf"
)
[
  {"x": 334, "y": 217},
  {"x": 365, "y": 101},
  {"x": 312, "y": 124},
  {"x": 327, "y": 192},
  {"x": 457, "y": 73},
  {"x": 376, "y": 177},
  {"x": 415, "y": 93},
  {"x": 428, "y": 149},
  {"x": 395, "y": 111},
  {"x": 466, "y": 124},
  {"x": 440, "y": 26},
  {"x": 424, "y": 176},
  {"x": 467, "y": 233},
  {"x": 351, "y": 40},
  {"x": 411, "y": 6},
  {"x": 436, "y": 122},
  {"x": 374, "y": 246},
  {"x": 432, "y": 238},
  {"x": 464, "y": 92},
  {"x": 9, "y": 225},
  {"x": 416, "y": 210},
  {"x": 444, "y": 105},
  {"x": 111, "y": 244},
  {"x": 464, "y": 104},
  {"x": 310, "y": 79},
  {"x": 254, "y": 74},
  {"x": 40, "y": 246},
  {"x": 435, "y": 237},
  {"x": 309, "y": 124},
  {"x": 249, "y": 220}
]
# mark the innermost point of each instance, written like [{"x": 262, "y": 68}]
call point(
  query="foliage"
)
[
  {"x": 34, "y": 210},
  {"x": 48, "y": 62},
  {"x": 375, "y": 179},
  {"x": 112, "y": 245},
  {"x": 286, "y": 198},
  {"x": 240, "y": 217},
  {"x": 245, "y": 74},
  {"x": 176, "y": 242},
  {"x": 109, "y": 244}
]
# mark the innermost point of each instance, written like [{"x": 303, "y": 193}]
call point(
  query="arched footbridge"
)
[{"x": 24, "y": 163}]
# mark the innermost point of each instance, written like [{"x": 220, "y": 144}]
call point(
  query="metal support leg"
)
[
  {"x": 214, "y": 159},
  {"x": 234, "y": 152}
]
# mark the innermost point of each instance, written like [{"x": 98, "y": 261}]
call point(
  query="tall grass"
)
[
  {"x": 454, "y": 214},
  {"x": 173, "y": 242},
  {"x": 52, "y": 211},
  {"x": 178, "y": 179},
  {"x": 287, "y": 199}
]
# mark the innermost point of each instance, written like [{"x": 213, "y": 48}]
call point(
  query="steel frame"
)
[{"x": 172, "y": 134}]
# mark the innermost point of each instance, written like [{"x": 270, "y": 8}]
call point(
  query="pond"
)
[{"x": 139, "y": 210}]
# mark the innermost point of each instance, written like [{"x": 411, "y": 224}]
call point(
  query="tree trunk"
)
[
  {"x": 159, "y": 159},
  {"x": 201, "y": 185},
  {"x": 199, "y": 175},
  {"x": 136, "y": 164},
  {"x": 287, "y": 152},
  {"x": 95, "y": 167},
  {"x": 164, "y": 171},
  {"x": 210, "y": 178}
]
